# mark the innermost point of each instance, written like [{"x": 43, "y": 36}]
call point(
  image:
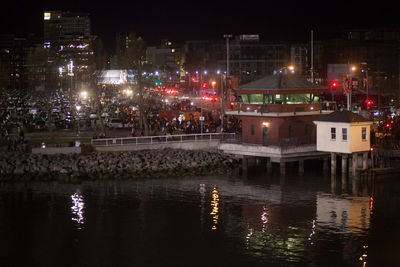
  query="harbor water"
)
[{"x": 252, "y": 219}]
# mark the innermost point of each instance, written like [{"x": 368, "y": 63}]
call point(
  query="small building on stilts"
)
[
  {"x": 347, "y": 135},
  {"x": 277, "y": 114}
]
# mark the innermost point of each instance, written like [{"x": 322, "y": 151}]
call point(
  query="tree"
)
[{"x": 135, "y": 58}]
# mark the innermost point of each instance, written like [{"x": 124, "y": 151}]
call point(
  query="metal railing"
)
[{"x": 160, "y": 139}]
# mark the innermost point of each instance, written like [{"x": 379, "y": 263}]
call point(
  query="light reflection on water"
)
[
  {"x": 271, "y": 221},
  {"x": 77, "y": 209}
]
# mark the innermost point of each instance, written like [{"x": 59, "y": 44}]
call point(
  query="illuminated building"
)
[
  {"x": 21, "y": 66},
  {"x": 277, "y": 114},
  {"x": 67, "y": 39}
]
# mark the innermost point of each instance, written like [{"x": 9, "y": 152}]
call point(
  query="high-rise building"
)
[
  {"x": 21, "y": 66},
  {"x": 67, "y": 40}
]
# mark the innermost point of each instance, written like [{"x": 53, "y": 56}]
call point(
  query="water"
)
[{"x": 235, "y": 220}]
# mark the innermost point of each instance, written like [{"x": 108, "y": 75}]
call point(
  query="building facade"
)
[{"x": 68, "y": 44}]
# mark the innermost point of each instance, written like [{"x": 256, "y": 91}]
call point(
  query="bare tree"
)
[{"x": 135, "y": 58}]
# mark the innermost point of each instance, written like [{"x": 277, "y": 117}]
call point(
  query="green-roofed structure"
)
[{"x": 277, "y": 114}]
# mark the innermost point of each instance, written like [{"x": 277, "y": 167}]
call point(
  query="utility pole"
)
[
  {"x": 312, "y": 57},
  {"x": 227, "y": 36}
]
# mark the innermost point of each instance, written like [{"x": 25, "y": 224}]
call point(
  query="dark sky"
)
[{"x": 183, "y": 20}]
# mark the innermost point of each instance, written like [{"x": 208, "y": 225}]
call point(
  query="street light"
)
[
  {"x": 366, "y": 74},
  {"x": 221, "y": 98},
  {"x": 77, "y": 109},
  {"x": 350, "y": 87}
]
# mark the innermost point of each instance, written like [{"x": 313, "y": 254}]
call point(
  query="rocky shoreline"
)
[{"x": 18, "y": 166}]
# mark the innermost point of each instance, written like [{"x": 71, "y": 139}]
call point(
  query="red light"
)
[
  {"x": 391, "y": 122},
  {"x": 204, "y": 85},
  {"x": 369, "y": 102},
  {"x": 387, "y": 125},
  {"x": 334, "y": 85},
  {"x": 193, "y": 79}
]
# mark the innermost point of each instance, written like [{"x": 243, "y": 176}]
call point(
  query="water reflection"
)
[
  {"x": 264, "y": 219},
  {"x": 343, "y": 213},
  {"x": 77, "y": 209},
  {"x": 214, "y": 207},
  {"x": 266, "y": 222},
  {"x": 363, "y": 257}
]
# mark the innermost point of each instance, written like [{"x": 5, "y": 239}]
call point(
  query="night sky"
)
[{"x": 186, "y": 20}]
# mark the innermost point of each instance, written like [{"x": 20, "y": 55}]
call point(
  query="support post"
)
[
  {"x": 355, "y": 163},
  {"x": 301, "y": 166},
  {"x": 365, "y": 160},
  {"x": 244, "y": 164},
  {"x": 269, "y": 165},
  {"x": 333, "y": 163},
  {"x": 372, "y": 159},
  {"x": 282, "y": 166},
  {"x": 344, "y": 163}
]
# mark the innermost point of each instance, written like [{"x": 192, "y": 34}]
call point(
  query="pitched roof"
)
[
  {"x": 342, "y": 116},
  {"x": 281, "y": 82}
]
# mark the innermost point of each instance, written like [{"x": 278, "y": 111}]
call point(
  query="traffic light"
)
[
  {"x": 334, "y": 85},
  {"x": 369, "y": 103}
]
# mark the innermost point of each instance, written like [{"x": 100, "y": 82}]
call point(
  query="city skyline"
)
[{"x": 180, "y": 20}]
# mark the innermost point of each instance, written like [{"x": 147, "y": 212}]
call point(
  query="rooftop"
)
[
  {"x": 342, "y": 116},
  {"x": 282, "y": 82}
]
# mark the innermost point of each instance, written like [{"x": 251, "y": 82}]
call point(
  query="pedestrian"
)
[{"x": 21, "y": 135}]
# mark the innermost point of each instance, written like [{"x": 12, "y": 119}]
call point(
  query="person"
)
[{"x": 21, "y": 135}]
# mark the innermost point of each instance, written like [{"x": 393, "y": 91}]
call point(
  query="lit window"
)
[
  {"x": 364, "y": 134},
  {"x": 47, "y": 15},
  {"x": 344, "y": 134},
  {"x": 333, "y": 133}
]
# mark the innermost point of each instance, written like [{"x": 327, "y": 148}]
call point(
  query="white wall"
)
[
  {"x": 354, "y": 142},
  {"x": 324, "y": 141}
]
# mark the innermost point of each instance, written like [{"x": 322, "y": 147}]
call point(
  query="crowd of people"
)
[{"x": 22, "y": 111}]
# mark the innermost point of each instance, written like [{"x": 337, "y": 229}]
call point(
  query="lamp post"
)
[
  {"x": 201, "y": 113},
  {"x": 350, "y": 87},
  {"x": 227, "y": 36},
  {"x": 77, "y": 109},
  {"x": 366, "y": 83},
  {"x": 221, "y": 99}
]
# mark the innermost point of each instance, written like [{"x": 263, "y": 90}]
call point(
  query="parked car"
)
[
  {"x": 93, "y": 116},
  {"x": 115, "y": 123}
]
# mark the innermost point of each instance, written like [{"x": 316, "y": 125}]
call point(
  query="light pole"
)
[
  {"x": 350, "y": 87},
  {"x": 201, "y": 113},
  {"x": 221, "y": 99},
  {"x": 366, "y": 83},
  {"x": 77, "y": 109},
  {"x": 227, "y": 36}
]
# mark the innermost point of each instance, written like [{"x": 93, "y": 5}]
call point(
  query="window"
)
[
  {"x": 252, "y": 129},
  {"x": 333, "y": 133},
  {"x": 344, "y": 134},
  {"x": 364, "y": 133}
]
